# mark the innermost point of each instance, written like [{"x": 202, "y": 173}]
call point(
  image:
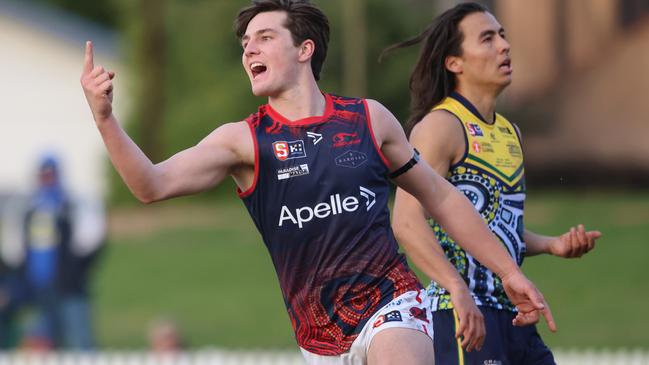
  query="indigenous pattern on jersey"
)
[
  {"x": 319, "y": 201},
  {"x": 491, "y": 175}
]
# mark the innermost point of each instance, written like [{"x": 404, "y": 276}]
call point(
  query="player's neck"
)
[
  {"x": 303, "y": 101},
  {"x": 483, "y": 101}
]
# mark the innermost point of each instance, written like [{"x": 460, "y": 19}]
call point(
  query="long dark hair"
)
[
  {"x": 304, "y": 21},
  {"x": 430, "y": 81}
]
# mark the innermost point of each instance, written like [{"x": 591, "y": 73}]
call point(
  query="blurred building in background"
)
[
  {"x": 43, "y": 107},
  {"x": 580, "y": 88},
  {"x": 44, "y": 112}
]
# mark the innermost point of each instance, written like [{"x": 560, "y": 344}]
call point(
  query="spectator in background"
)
[
  {"x": 165, "y": 337},
  {"x": 55, "y": 270}
]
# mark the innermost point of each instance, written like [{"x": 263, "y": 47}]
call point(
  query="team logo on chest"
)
[
  {"x": 345, "y": 139},
  {"x": 289, "y": 150}
]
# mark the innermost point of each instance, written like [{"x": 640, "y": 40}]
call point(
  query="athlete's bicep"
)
[
  {"x": 419, "y": 179},
  {"x": 439, "y": 139},
  {"x": 206, "y": 164}
]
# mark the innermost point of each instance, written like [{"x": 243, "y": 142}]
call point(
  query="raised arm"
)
[
  {"x": 198, "y": 168},
  {"x": 452, "y": 210}
]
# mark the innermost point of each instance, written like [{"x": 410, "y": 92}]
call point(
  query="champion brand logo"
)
[
  {"x": 289, "y": 150},
  {"x": 335, "y": 205},
  {"x": 315, "y": 137}
]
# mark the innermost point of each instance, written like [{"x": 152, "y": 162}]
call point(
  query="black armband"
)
[{"x": 407, "y": 166}]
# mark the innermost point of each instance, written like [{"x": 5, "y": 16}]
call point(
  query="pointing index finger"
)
[
  {"x": 88, "y": 62},
  {"x": 549, "y": 319}
]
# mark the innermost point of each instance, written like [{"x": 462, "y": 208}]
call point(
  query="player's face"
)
[
  {"x": 485, "y": 51},
  {"x": 269, "y": 56}
]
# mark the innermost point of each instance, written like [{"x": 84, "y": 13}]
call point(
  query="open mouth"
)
[
  {"x": 257, "y": 68},
  {"x": 506, "y": 64}
]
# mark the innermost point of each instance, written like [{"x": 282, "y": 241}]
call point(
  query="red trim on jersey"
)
[
  {"x": 329, "y": 108},
  {"x": 251, "y": 189},
  {"x": 369, "y": 126}
]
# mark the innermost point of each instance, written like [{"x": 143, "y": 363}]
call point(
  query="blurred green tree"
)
[
  {"x": 103, "y": 12},
  {"x": 186, "y": 63}
]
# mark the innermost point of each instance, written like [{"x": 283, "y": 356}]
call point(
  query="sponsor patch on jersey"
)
[
  {"x": 487, "y": 147},
  {"x": 345, "y": 139},
  {"x": 394, "y": 316},
  {"x": 505, "y": 130},
  {"x": 335, "y": 205},
  {"x": 293, "y": 171},
  {"x": 289, "y": 150},
  {"x": 351, "y": 159},
  {"x": 476, "y": 147},
  {"x": 474, "y": 130},
  {"x": 514, "y": 150}
]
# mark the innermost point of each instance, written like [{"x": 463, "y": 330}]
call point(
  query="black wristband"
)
[{"x": 408, "y": 165}]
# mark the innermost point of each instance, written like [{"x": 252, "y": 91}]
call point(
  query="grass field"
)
[{"x": 207, "y": 268}]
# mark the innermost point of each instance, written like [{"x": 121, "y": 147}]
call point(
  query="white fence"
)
[{"x": 223, "y": 357}]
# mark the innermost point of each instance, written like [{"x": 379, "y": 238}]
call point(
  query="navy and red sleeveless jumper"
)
[{"x": 319, "y": 201}]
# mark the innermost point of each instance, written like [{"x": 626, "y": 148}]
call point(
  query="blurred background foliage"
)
[{"x": 188, "y": 78}]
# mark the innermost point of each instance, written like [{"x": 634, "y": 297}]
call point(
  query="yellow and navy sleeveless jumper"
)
[{"x": 491, "y": 175}]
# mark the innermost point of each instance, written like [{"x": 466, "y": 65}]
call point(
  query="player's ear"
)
[
  {"x": 453, "y": 64},
  {"x": 306, "y": 50}
]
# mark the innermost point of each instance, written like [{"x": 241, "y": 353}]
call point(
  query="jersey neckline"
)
[
  {"x": 329, "y": 108},
  {"x": 471, "y": 108}
]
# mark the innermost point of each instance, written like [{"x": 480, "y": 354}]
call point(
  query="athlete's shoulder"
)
[
  {"x": 233, "y": 129},
  {"x": 375, "y": 108},
  {"x": 440, "y": 139},
  {"x": 234, "y": 136},
  {"x": 439, "y": 122},
  {"x": 380, "y": 115},
  {"x": 448, "y": 103},
  {"x": 346, "y": 102}
]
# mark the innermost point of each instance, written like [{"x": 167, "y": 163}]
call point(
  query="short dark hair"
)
[
  {"x": 430, "y": 81},
  {"x": 304, "y": 21}
]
